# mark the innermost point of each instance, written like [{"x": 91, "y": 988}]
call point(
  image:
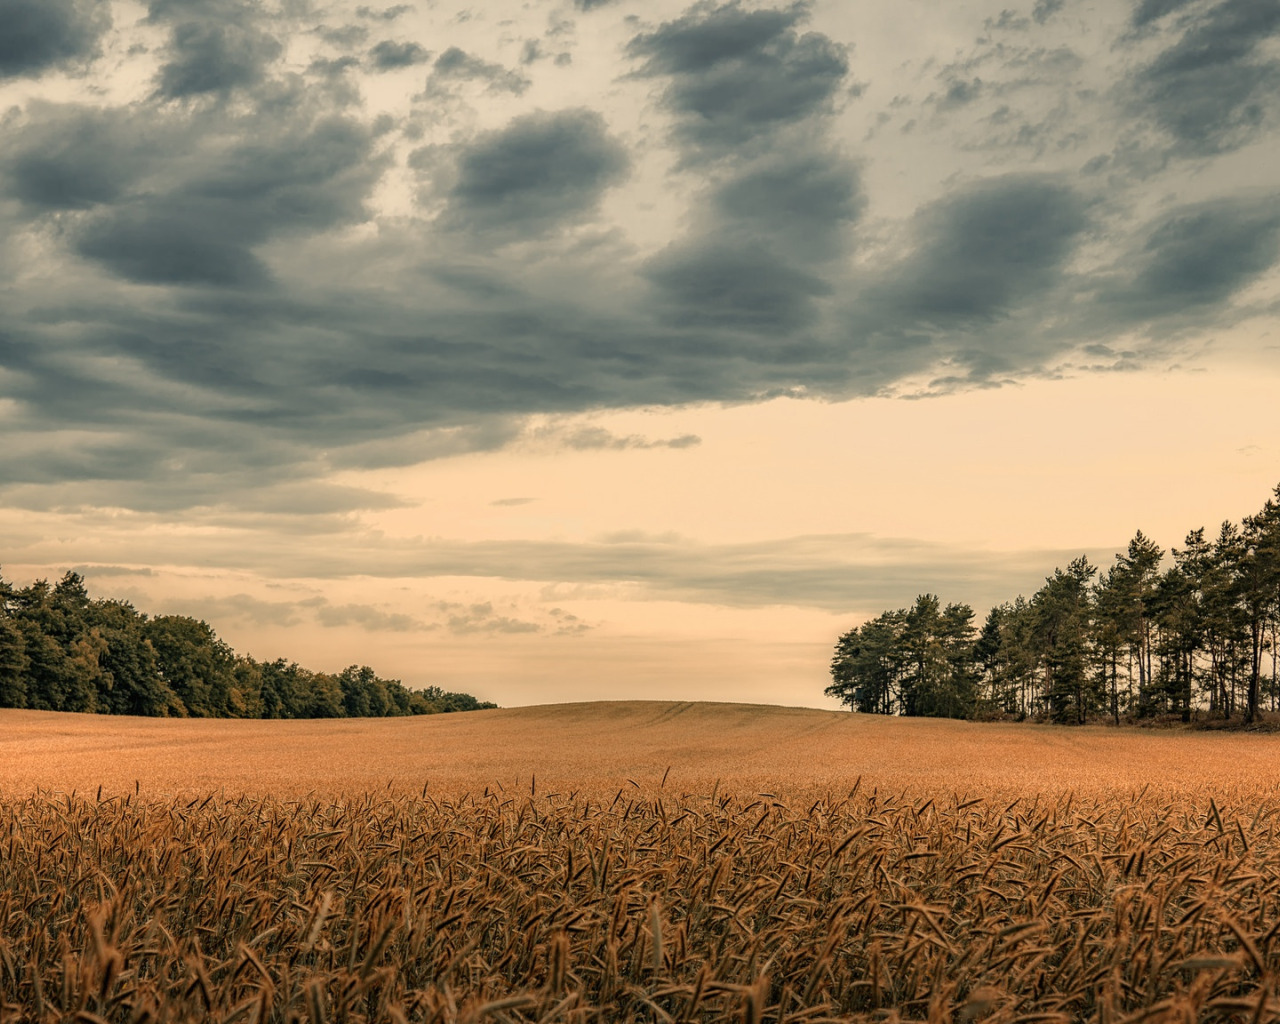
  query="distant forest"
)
[
  {"x": 1197, "y": 634},
  {"x": 60, "y": 650}
]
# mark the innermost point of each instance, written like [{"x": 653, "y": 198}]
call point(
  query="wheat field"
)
[
  {"x": 634, "y": 862},
  {"x": 596, "y": 746}
]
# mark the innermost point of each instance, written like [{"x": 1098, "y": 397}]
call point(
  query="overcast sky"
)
[{"x": 607, "y": 348}]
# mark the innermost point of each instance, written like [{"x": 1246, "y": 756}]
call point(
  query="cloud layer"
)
[{"x": 250, "y": 248}]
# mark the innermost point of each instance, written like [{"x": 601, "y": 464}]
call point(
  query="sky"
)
[{"x": 590, "y": 349}]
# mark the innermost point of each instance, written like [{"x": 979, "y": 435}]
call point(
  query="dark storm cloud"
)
[
  {"x": 977, "y": 293},
  {"x": 709, "y": 284},
  {"x": 798, "y": 201},
  {"x": 71, "y": 157},
  {"x": 282, "y": 333},
  {"x": 390, "y": 56},
  {"x": 1215, "y": 87},
  {"x": 455, "y": 64},
  {"x": 1197, "y": 257},
  {"x": 1149, "y": 11},
  {"x": 540, "y": 171},
  {"x": 202, "y": 229},
  {"x": 984, "y": 250},
  {"x": 740, "y": 80},
  {"x": 736, "y": 74},
  {"x": 36, "y": 35},
  {"x": 213, "y": 48}
]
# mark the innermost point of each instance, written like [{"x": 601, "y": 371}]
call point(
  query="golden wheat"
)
[
  {"x": 649, "y": 900},
  {"x": 648, "y": 906}
]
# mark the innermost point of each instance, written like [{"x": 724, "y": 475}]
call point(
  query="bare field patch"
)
[{"x": 601, "y": 746}]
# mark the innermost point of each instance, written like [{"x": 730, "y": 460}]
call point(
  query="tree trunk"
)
[
  {"x": 1115, "y": 689},
  {"x": 1255, "y": 671}
]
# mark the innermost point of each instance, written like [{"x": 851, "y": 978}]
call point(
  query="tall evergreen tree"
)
[
  {"x": 1258, "y": 587},
  {"x": 13, "y": 665},
  {"x": 1136, "y": 583},
  {"x": 1062, "y": 609},
  {"x": 868, "y": 666}
]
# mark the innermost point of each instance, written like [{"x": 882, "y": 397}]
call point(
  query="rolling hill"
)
[{"x": 606, "y": 745}]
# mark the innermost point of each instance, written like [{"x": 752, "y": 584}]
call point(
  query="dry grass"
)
[{"x": 457, "y": 895}]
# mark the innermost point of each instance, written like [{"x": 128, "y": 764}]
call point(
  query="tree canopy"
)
[
  {"x": 1192, "y": 630},
  {"x": 61, "y": 650}
]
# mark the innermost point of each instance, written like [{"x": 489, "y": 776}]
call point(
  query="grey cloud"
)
[
  {"x": 334, "y": 68},
  {"x": 73, "y": 157},
  {"x": 43, "y": 34},
  {"x": 160, "y": 244},
  {"x": 1148, "y": 11},
  {"x": 389, "y": 55},
  {"x": 368, "y": 617},
  {"x": 799, "y": 201},
  {"x": 984, "y": 249},
  {"x": 236, "y": 608},
  {"x": 481, "y": 618},
  {"x": 271, "y": 347},
  {"x": 736, "y": 74},
  {"x": 754, "y": 257},
  {"x": 203, "y": 230},
  {"x": 719, "y": 285},
  {"x": 568, "y": 624},
  {"x": 597, "y": 438},
  {"x": 512, "y": 502},
  {"x": 1007, "y": 21},
  {"x": 215, "y": 56},
  {"x": 92, "y": 571},
  {"x": 344, "y": 36},
  {"x": 386, "y": 14},
  {"x": 455, "y": 64},
  {"x": 1216, "y": 86},
  {"x": 540, "y": 171},
  {"x": 1046, "y": 9},
  {"x": 482, "y": 434},
  {"x": 1198, "y": 256},
  {"x": 836, "y": 572},
  {"x": 592, "y": 5},
  {"x": 960, "y": 93}
]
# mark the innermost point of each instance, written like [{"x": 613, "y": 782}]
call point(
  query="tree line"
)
[
  {"x": 60, "y": 650},
  {"x": 1196, "y": 632}
]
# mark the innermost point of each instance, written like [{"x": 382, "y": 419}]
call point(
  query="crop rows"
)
[{"x": 647, "y": 906}]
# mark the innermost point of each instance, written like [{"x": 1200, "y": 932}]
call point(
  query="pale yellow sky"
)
[{"x": 854, "y": 506}]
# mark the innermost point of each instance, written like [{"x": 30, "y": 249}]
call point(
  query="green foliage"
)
[
  {"x": 916, "y": 661},
  {"x": 1142, "y": 639},
  {"x": 60, "y": 650}
]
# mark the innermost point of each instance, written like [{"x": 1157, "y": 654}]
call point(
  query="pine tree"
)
[
  {"x": 1063, "y": 610},
  {"x": 1258, "y": 588},
  {"x": 1136, "y": 584}
]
